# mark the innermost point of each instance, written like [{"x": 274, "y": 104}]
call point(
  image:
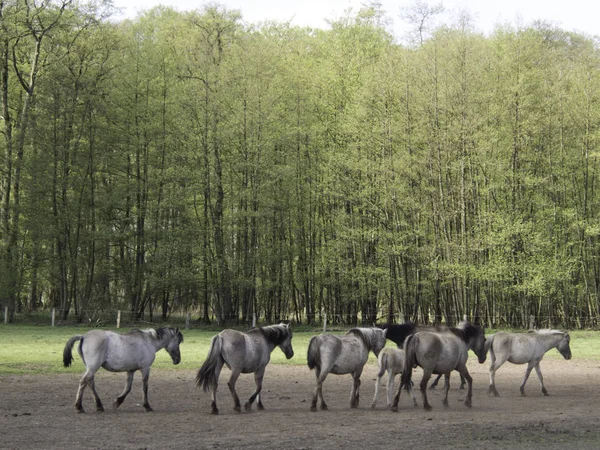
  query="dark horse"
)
[
  {"x": 397, "y": 333},
  {"x": 243, "y": 353},
  {"x": 115, "y": 352}
]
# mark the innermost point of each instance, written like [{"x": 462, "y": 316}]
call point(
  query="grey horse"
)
[
  {"x": 243, "y": 353},
  {"x": 390, "y": 360},
  {"x": 328, "y": 353},
  {"x": 442, "y": 352},
  {"x": 525, "y": 348},
  {"x": 116, "y": 352}
]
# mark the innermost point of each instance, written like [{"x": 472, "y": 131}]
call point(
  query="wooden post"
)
[
  {"x": 187, "y": 321},
  {"x": 53, "y": 316},
  {"x": 325, "y": 323},
  {"x": 119, "y": 319},
  {"x": 5, "y": 315},
  {"x": 254, "y": 320}
]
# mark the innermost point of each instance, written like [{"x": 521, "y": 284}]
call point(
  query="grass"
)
[{"x": 26, "y": 349}]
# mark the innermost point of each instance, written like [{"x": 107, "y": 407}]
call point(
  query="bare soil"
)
[{"x": 37, "y": 412}]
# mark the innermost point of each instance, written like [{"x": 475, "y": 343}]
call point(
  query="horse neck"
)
[
  {"x": 160, "y": 343},
  {"x": 550, "y": 340}
]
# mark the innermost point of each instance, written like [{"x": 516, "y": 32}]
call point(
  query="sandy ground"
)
[{"x": 37, "y": 412}]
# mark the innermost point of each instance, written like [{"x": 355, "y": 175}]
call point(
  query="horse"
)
[
  {"x": 441, "y": 353},
  {"x": 243, "y": 353},
  {"x": 398, "y": 333},
  {"x": 390, "y": 360},
  {"x": 328, "y": 353},
  {"x": 525, "y": 348},
  {"x": 135, "y": 350}
]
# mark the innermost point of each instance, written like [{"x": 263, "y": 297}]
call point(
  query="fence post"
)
[
  {"x": 53, "y": 316},
  {"x": 5, "y": 315},
  {"x": 119, "y": 318},
  {"x": 187, "y": 321},
  {"x": 325, "y": 323},
  {"x": 254, "y": 320}
]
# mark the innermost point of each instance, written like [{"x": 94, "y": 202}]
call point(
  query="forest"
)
[{"x": 190, "y": 161}]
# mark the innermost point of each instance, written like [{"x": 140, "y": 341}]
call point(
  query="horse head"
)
[
  {"x": 286, "y": 345},
  {"x": 378, "y": 340},
  {"x": 563, "y": 346},
  {"x": 174, "y": 339},
  {"x": 475, "y": 338}
]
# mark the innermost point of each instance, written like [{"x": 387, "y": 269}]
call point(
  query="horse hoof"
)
[
  {"x": 324, "y": 407},
  {"x": 238, "y": 409},
  {"x": 446, "y": 404},
  {"x": 80, "y": 411},
  {"x": 260, "y": 407},
  {"x": 468, "y": 404},
  {"x": 427, "y": 407},
  {"x": 313, "y": 409},
  {"x": 100, "y": 409},
  {"x": 248, "y": 406},
  {"x": 215, "y": 411},
  {"x": 372, "y": 405},
  {"x": 394, "y": 409},
  {"x": 149, "y": 409}
]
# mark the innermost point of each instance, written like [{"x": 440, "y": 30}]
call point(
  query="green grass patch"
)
[{"x": 26, "y": 349}]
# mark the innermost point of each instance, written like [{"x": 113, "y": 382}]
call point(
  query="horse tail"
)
[
  {"x": 410, "y": 360},
  {"x": 206, "y": 374},
  {"x": 67, "y": 352},
  {"x": 313, "y": 354}
]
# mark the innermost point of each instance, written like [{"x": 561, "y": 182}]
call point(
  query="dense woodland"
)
[{"x": 193, "y": 161}]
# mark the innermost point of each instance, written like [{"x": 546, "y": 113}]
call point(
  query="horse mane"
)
[
  {"x": 158, "y": 333},
  {"x": 275, "y": 334},
  {"x": 465, "y": 330},
  {"x": 547, "y": 331},
  {"x": 398, "y": 333},
  {"x": 365, "y": 334}
]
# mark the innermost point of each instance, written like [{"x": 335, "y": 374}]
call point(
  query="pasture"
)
[{"x": 37, "y": 403}]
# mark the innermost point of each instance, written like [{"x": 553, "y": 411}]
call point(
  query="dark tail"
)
[
  {"x": 67, "y": 352},
  {"x": 206, "y": 374},
  {"x": 313, "y": 354},
  {"x": 410, "y": 360}
]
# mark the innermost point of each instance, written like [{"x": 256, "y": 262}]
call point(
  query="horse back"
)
[
  {"x": 245, "y": 352},
  {"x": 440, "y": 352}
]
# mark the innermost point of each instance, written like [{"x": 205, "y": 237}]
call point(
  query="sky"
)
[{"x": 572, "y": 15}]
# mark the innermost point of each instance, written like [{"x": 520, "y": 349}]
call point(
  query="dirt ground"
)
[{"x": 37, "y": 412}]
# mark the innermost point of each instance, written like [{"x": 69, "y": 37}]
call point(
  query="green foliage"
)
[{"x": 192, "y": 162}]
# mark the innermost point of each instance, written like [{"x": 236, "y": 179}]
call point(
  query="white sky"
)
[{"x": 572, "y": 15}]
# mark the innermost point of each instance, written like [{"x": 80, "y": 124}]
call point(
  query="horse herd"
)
[{"x": 437, "y": 350}]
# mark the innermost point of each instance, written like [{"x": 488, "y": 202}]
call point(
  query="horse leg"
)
[
  {"x": 231, "y": 383},
  {"x": 541, "y": 378},
  {"x": 462, "y": 383},
  {"x": 127, "y": 390},
  {"x": 214, "y": 386},
  {"x": 145, "y": 377},
  {"x": 410, "y": 390},
  {"x": 377, "y": 383},
  {"x": 446, "y": 388},
  {"x": 435, "y": 382},
  {"x": 527, "y": 373},
  {"x": 354, "y": 393},
  {"x": 390, "y": 387},
  {"x": 423, "y": 385},
  {"x": 87, "y": 380},
  {"x": 258, "y": 377},
  {"x": 320, "y": 375},
  {"x": 495, "y": 365},
  {"x": 465, "y": 373}
]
